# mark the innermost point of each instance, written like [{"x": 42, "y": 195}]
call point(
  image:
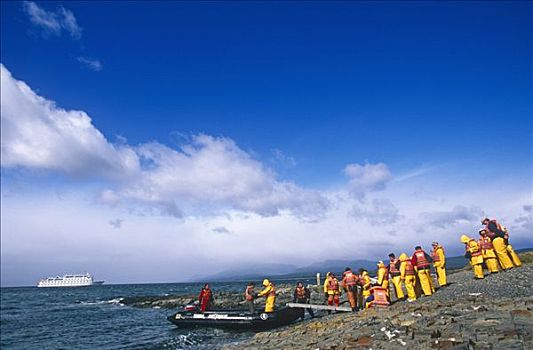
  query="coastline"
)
[{"x": 468, "y": 314}]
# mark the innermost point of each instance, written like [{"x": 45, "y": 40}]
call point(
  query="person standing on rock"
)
[
  {"x": 510, "y": 251},
  {"x": 205, "y": 298},
  {"x": 474, "y": 253},
  {"x": 349, "y": 283},
  {"x": 487, "y": 250},
  {"x": 383, "y": 277},
  {"x": 302, "y": 295},
  {"x": 249, "y": 297},
  {"x": 269, "y": 292},
  {"x": 439, "y": 262},
  {"x": 332, "y": 289},
  {"x": 421, "y": 260},
  {"x": 394, "y": 271},
  {"x": 407, "y": 274},
  {"x": 497, "y": 235},
  {"x": 366, "y": 284}
]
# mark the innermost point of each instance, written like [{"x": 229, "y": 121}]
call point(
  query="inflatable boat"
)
[{"x": 235, "y": 319}]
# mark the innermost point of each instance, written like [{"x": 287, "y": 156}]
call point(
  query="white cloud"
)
[
  {"x": 92, "y": 64},
  {"x": 367, "y": 178},
  {"x": 37, "y": 134},
  {"x": 52, "y": 23},
  {"x": 459, "y": 214},
  {"x": 206, "y": 175},
  {"x": 380, "y": 212},
  {"x": 210, "y": 174}
]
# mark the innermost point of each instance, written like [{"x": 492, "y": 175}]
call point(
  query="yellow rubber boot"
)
[
  {"x": 410, "y": 286},
  {"x": 425, "y": 277},
  {"x": 514, "y": 257},
  {"x": 397, "y": 282},
  {"x": 431, "y": 283},
  {"x": 492, "y": 265},
  {"x": 501, "y": 252},
  {"x": 478, "y": 270},
  {"x": 441, "y": 275}
]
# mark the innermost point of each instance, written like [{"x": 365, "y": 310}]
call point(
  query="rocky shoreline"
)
[{"x": 494, "y": 313}]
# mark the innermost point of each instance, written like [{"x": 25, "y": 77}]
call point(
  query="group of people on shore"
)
[
  {"x": 492, "y": 249},
  {"x": 412, "y": 273}
]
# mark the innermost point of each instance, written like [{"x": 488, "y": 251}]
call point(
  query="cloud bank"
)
[{"x": 202, "y": 177}]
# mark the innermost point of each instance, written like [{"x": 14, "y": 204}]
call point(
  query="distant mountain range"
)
[{"x": 256, "y": 272}]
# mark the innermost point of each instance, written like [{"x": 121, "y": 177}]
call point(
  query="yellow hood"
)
[
  {"x": 465, "y": 239},
  {"x": 403, "y": 257},
  {"x": 381, "y": 264}
]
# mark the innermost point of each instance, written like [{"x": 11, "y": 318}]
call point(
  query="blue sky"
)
[{"x": 293, "y": 92}]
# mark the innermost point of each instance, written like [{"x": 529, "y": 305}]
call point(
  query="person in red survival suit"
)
[{"x": 205, "y": 298}]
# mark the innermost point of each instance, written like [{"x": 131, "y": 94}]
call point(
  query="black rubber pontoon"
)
[{"x": 236, "y": 319}]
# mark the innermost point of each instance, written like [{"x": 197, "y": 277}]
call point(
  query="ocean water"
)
[{"x": 93, "y": 318}]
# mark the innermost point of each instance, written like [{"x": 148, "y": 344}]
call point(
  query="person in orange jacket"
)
[
  {"x": 394, "y": 271},
  {"x": 421, "y": 260},
  {"x": 332, "y": 289},
  {"x": 487, "y": 250},
  {"x": 408, "y": 276},
  {"x": 205, "y": 298},
  {"x": 349, "y": 283},
  {"x": 249, "y": 296}
]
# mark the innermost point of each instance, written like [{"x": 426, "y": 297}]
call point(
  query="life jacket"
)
[
  {"x": 205, "y": 294},
  {"x": 272, "y": 291},
  {"x": 350, "y": 278},
  {"x": 485, "y": 243},
  {"x": 248, "y": 294},
  {"x": 409, "y": 269},
  {"x": 365, "y": 280},
  {"x": 434, "y": 255},
  {"x": 333, "y": 284},
  {"x": 393, "y": 269},
  {"x": 477, "y": 253},
  {"x": 421, "y": 261},
  {"x": 300, "y": 293}
]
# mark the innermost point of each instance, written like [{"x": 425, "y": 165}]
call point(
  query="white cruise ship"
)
[{"x": 69, "y": 281}]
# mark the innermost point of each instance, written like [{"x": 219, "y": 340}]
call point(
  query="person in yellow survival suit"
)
[
  {"x": 439, "y": 262},
  {"x": 487, "y": 250},
  {"x": 407, "y": 275},
  {"x": 383, "y": 277},
  {"x": 475, "y": 254},
  {"x": 366, "y": 284},
  {"x": 332, "y": 289},
  {"x": 510, "y": 251},
  {"x": 497, "y": 235},
  {"x": 269, "y": 291},
  {"x": 394, "y": 271},
  {"x": 421, "y": 260}
]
